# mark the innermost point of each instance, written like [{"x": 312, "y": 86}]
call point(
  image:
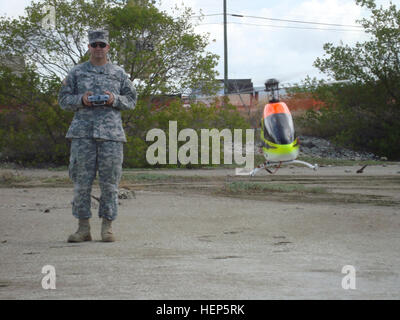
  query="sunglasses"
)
[{"x": 100, "y": 44}]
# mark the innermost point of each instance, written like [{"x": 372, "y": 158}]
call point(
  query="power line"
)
[
  {"x": 297, "y": 21},
  {"x": 285, "y": 27},
  {"x": 281, "y": 20},
  {"x": 208, "y": 15}
]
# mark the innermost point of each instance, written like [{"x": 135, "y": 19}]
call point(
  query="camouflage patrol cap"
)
[{"x": 98, "y": 36}]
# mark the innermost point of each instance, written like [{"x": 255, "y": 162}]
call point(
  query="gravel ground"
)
[{"x": 184, "y": 242}]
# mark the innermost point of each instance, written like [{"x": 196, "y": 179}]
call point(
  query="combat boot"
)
[
  {"x": 106, "y": 231},
  {"x": 83, "y": 233}
]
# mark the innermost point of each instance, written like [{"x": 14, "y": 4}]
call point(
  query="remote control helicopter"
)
[{"x": 280, "y": 145}]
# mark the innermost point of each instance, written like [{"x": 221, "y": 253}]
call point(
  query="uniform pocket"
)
[
  {"x": 72, "y": 167},
  {"x": 110, "y": 162},
  {"x": 117, "y": 161},
  {"x": 74, "y": 159}
]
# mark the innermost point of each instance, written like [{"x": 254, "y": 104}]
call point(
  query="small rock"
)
[
  {"x": 126, "y": 194},
  {"x": 384, "y": 158},
  {"x": 46, "y": 210},
  {"x": 318, "y": 147}
]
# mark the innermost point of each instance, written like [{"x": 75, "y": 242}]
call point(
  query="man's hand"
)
[
  {"x": 85, "y": 100},
  {"x": 111, "y": 99}
]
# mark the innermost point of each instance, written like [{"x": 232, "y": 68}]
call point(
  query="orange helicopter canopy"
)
[{"x": 273, "y": 108}]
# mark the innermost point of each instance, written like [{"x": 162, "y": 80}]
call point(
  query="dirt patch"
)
[
  {"x": 374, "y": 190},
  {"x": 381, "y": 190}
]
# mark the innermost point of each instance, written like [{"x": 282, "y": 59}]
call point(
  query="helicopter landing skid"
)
[{"x": 267, "y": 164}]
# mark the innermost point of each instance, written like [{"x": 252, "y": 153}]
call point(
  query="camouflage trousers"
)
[{"x": 87, "y": 157}]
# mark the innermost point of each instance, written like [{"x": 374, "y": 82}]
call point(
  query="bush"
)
[
  {"x": 356, "y": 116},
  {"x": 35, "y": 136},
  {"x": 32, "y": 125},
  {"x": 139, "y": 121}
]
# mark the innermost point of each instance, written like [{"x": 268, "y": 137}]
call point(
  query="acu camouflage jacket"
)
[{"x": 97, "y": 122}]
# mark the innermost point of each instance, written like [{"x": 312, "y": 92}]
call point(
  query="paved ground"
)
[{"x": 176, "y": 241}]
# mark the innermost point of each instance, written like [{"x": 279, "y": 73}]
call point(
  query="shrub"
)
[
  {"x": 142, "y": 119},
  {"x": 356, "y": 116},
  {"x": 35, "y": 135}
]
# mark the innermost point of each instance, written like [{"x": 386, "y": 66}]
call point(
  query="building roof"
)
[
  {"x": 14, "y": 62},
  {"x": 238, "y": 85}
]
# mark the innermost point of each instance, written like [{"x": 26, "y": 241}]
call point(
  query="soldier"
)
[{"x": 96, "y": 133}]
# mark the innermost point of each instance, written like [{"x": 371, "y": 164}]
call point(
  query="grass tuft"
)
[{"x": 241, "y": 186}]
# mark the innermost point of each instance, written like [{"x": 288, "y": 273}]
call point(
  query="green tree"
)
[
  {"x": 163, "y": 54},
  {"x": 56, "y": 49},
  {"x": 32, "y": 128},
  {"x": 363, "y": 111}
]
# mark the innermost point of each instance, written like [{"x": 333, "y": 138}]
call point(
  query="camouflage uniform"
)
[{"x": 97, "y": 134}]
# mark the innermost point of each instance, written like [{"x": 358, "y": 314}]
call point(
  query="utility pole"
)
[{"x": 225, "y": 52}]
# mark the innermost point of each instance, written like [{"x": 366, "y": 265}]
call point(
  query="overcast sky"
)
[{"x": 257, "y": 51}]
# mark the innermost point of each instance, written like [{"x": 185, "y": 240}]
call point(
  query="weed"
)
[
  {"x": 146, "y": 177},
  {"x": 9, "y": 178},
  {"x": 241, "y": 186}
]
